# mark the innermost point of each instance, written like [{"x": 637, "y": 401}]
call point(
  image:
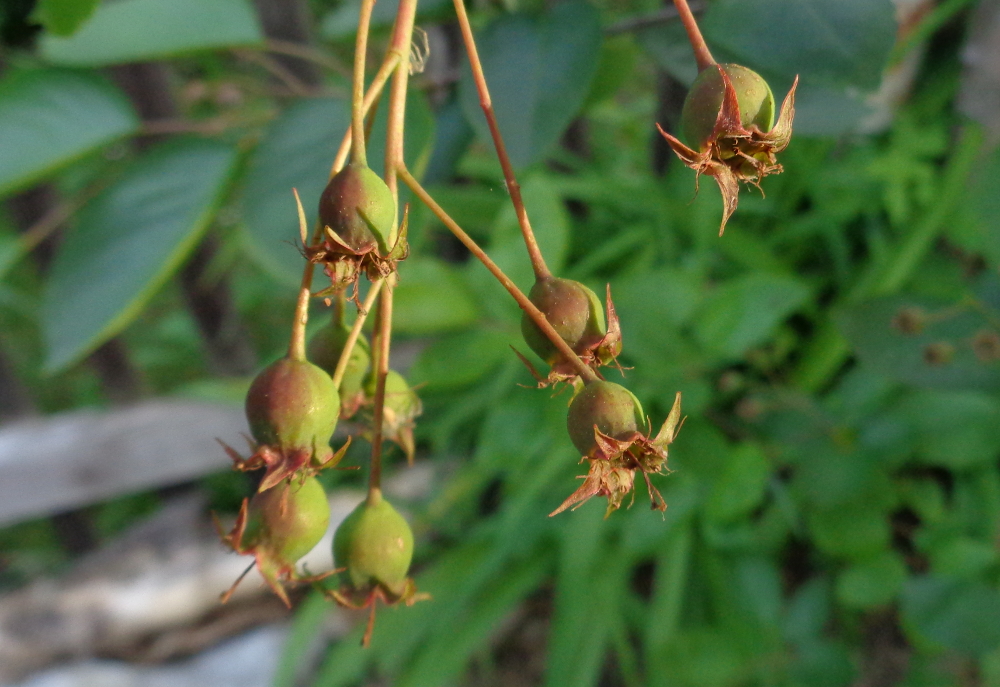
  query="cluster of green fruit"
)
[{"x": 293, "y": 407}]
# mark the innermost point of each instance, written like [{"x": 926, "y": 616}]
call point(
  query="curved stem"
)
[
  {"x": 374, "y": 91},
  {"x": 402, "y": 36},
  {"x": 381, "y": 371},
  {"x": 527, "y": 306},
  {"x": 355, "y": 334},
  {"x": 358, "y": 91},
  {"x": 701, "y": 53},
  {"x": 534, "y": 252}
]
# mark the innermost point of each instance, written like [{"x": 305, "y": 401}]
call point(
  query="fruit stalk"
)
[
  {"x": 352, "y": 338},
  {"x": 297, "y": 343},
  {"x": 381, "y": 355},
  {"x": 486, "y": 103},
  {"x": 374, "y": 91},
  {"x": 358, "y": 86},
  {"x": 702, "y": 56},
  {"x": 526, "y": 305},
  {"x": 402, "y": 35}
]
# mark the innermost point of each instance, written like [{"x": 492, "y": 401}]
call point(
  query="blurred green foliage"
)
[{"x": 835, "y": 495}]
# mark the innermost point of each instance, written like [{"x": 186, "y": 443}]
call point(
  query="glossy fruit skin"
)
[
  {"x": 704, "y": 100},
  {"x": 288, "y": 520},
  {"x": 355, "y": 191},
  {"x": 573, "y": 310},
  {"x": 325, "y": 348},
  {"x": 375, "y": 544},
  {"x": 613, "y": 408},
  {"x": 293, "y": 404}
]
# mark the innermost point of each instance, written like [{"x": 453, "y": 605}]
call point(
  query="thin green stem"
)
[
  {"x": 402, "y": 36},
  {"x": 702, "y": 55},
  {"x": 355, "y": 333},
  {"x": 297, "y": 344},
  {"x": 526, "y": 305},
  {"x": 374, "y": 91},
  {"x": 485, "y": 102},
  {"x": 382, "y": 344},
  {"x": 358, "y": 92}
]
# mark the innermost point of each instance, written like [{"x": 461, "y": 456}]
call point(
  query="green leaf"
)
[
  {"x": 308, "y": 623},
  {"x": 879, "y": 339},
  {"x": 957, "y": 615},
  {"x": 550, "y": 222},
  {"x": 441, "y": 659},
  {"x": 135, "y": 30},
  {"x": 855, "y": 530},
  {"x": 296, "y": 152},
  {"x": 845, "y": 42},
  {"x": 127, "y": 242},
  {"x": 963, "y": 557},
  {"x": 873, "y": 582},
  {"x": 956, "y": 429},
  {"x": 63, "y": 17},
  {"x": 742, "y": 313},
  {"x": 739, "y": 488},
  {"x": 430, "y": 298},
  {"x": 538, "y": 70},
  {"x": 460, "y": 359},
  {"x": 52, "y": 117}
]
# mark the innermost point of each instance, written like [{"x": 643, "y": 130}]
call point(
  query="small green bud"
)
[
  {"x": 325, "y": 349},
  {"x": 293, "y": 404},
  {"x": 375, "y": 544},
  {"x": 704, "y": 102},
  {"x": 288, "y": 519},
  {"x": 358, "y": 207},
  {"x": 611, "y": 407},
  {"x": 573, "y": 310}
]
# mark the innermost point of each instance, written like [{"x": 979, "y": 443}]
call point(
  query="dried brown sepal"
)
[
  {"x": 614, "y": 462},
  {"x": 735, "y": 153},
  {"x": 554, "y": 378},
  {"x": 344, "y": 265},
  {"x": 602, "y": 352},
  {"x": 276, "y": 570},
  {"x": 281, "y": 465},
  {"x": 360, "y": 599}
]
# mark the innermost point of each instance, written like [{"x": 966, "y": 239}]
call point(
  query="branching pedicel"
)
[{"x": 294, "y": 405}]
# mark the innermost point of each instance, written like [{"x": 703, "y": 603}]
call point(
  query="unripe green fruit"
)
[
  {"x": 573, "y": 310},
  {"x": 375, "y": 544},
  {"x": 293, "y": 404},
  {"x": 325, "y": 349},
  {"x": 287, "y": 520},
  {"x": 399, "y": 397},
  {"x": 613, "y": 408},
  {"x": 704, "y": 100},
  {"x": 356, "y": 194}
]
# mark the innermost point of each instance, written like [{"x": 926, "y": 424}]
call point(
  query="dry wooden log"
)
[
  {"x": 150, "y": 595},
  {"x": 74, "y": 459}
]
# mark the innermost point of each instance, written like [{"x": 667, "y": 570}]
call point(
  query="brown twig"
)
[
  {"x": 534, "y": 252},
  {"x": 533, "y": 312},
  {"x": 701, "y": 53}
]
